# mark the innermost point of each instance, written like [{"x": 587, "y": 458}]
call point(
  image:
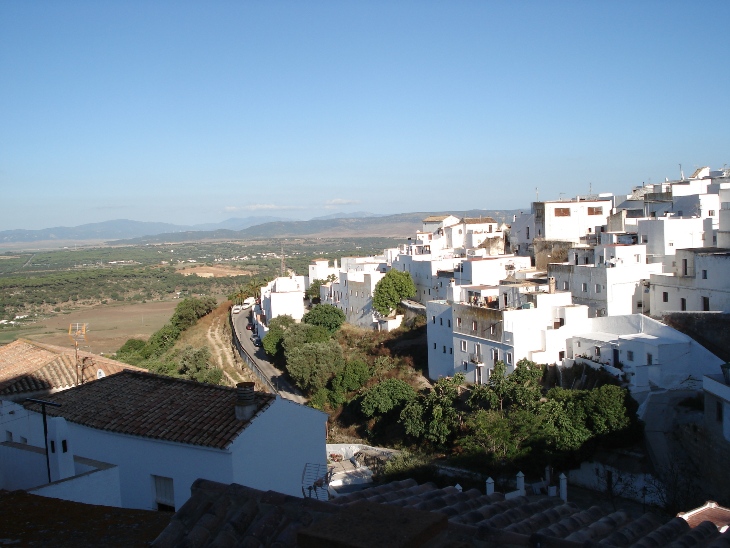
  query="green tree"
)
[
  {"x": 299, "y": 334},
  {"x": 325, "y": 315},
  {"x": 312, "y": 365},
  {"x": 272, "y": 341},
  {"x": 391, "y": 290},
  {"x": 386, "y": 396}
]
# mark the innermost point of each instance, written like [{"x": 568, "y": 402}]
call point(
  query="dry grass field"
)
[
  {"x": 212, "y": 271},
  {"x": 109, "y": 325}
]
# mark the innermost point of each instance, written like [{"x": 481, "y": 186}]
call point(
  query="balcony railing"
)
[{"x": 477, "y": 359}]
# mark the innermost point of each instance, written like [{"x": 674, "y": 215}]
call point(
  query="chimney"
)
[
  {"x": 551, "y": 284},
  {"x": 245, "y": 401}
]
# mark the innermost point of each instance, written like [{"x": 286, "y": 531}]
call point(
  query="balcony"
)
[{"x": 477, "y": 359}]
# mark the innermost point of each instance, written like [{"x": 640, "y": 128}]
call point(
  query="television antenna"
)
[{"x": 77, "y": 332}]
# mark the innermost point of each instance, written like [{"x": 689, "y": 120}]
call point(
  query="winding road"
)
[{"x": 258, "y": 356}]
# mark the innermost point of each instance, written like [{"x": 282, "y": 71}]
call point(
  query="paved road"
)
[{"x": 276, "y": 376}]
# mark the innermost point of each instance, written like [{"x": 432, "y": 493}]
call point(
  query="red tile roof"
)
[
  {"x": 28, "y": 366},
  {"x": 153, "y": 406}
]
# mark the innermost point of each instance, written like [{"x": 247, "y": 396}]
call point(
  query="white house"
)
[
  {"x": 723, "y": 232},
  {"x": 608, "y": 278},
  {"x": 663, "y": 236},
  {"x": 717, "y": 403},
  {"x": 699, "y": 281},
  {"x": 164, "y": 433},
  {"x": 644, "y": 352},
  {"x": 521, "y": 233},
  {"x": 320, "y": 269},
  {"x": 353, "y": 291},
  {"x": 283, "y": 295},
  {"x": 571, "y": 220},
  {"x": 469, "y": 339}
]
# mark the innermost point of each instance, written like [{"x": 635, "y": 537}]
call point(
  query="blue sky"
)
[{"x": 193, "y": 112}]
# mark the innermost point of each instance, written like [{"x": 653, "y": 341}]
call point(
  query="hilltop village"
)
[{"x": 631, "y": 289}]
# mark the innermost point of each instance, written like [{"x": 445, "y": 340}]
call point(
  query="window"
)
[
  {"x": 705, "y": 304},
  {"x": 683, "y": 304},
  {"x": 598, "y": 288},
  {"x": 597, "y": 351},
  {"x": 562, "y": 212},
  {"x": 465, "y": 364},
  {"x": 458, "y": 322},
  {"x": 495, "y": 354},
  {"x": 463, "y": 346},
  {"x": 451, "y": 350},
  {"x": 704, "y": 274},
  {"x": 64, "y": 446},
  {"x": 448, "y": 322},
  {"x": 584, "y": 287},
  {"x": 671, "y": 244},
  {"x": 441, "y": 321},
  {"x": 434, "y": 346},
  {"x": 433, "y": 319},
  {"x": 474, "y": 325},
  {"x": 665, "y": 297},
  {"x": 492, "y": 329},
  {"x": 164, "y": 493},
  {"x": 595, "y": 211},
  {"x": 566, "y": 287},
  {"x": 644, "y": 239},
  {"x": 561, "y": 355},
  {"x": 711, "y": 213},
  {"x": 509, "y": 357},
  {"x": 638, "y": 258},
  {"x": 685, "y": 267},
  {"x": 528, "y": 232},
  {"x": 444, "y": 349},
  {"x": 600, "y": 259},
  {"x": 630, "y": 355},
  {"x": 649, "y": 359}
]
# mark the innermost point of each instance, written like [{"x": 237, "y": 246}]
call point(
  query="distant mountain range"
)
[
  {"x": 124, "y": 228},
  {"x": 360, "y": 224}
]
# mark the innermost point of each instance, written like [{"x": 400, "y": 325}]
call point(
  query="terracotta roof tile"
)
[
  {"x": 28, "y": 366},
  {"x": 153, "y": 406},
  {"x": 255, "y": 518}
]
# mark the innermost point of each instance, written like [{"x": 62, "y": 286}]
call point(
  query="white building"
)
[
  {"x": 663, "y": 236},
  {"x": 321, "y": 270},
  {"x": 353, "y": 291},
  {"x": 468, "y": 339},
  {"x": 608, "y": 279},
  {"x": 717, "y": 404},
  {"x": 283, "y": 295},
  {"x": 723, "y": 232},
  {"x": 698, "y": 281},
  {"x": 163, "y": 433},
  {"x": 575, "y": 221},
  {"x": 521, "y": 233},
  {"x": 643, "y": 352}
]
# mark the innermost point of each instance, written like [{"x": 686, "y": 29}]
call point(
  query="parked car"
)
[
  {"x": 256, "y": 341},
  {"x": 236, "y": 309},
  {"x": 249, "y": 327}
]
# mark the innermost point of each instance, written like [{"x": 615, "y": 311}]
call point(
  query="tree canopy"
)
[
  {"x": 325, "y": 315},
  {"x": 392, "y": 289}
]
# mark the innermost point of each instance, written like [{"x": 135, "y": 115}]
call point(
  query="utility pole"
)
[{"x": 45, "y": 429}]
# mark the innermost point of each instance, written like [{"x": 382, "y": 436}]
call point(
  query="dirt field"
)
[
  {"x": 212, "y": 271},
  {"x": 109, "y": 325}
]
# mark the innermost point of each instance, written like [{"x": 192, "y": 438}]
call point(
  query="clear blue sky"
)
[{"x": 192, "y": 112}]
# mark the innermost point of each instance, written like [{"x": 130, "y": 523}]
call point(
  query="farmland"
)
[{"x": 132, "y": 290}]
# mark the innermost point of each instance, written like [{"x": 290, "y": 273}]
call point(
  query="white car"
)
[{"x": 236, "y": 309}]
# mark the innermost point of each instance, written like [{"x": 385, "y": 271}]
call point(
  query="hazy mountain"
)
[
  {"x": 341, "y": 215},
  {"x": 236, "y": 223},
  {"x": 123, "y": 229},
  {"x": 402, "y": 225}
]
